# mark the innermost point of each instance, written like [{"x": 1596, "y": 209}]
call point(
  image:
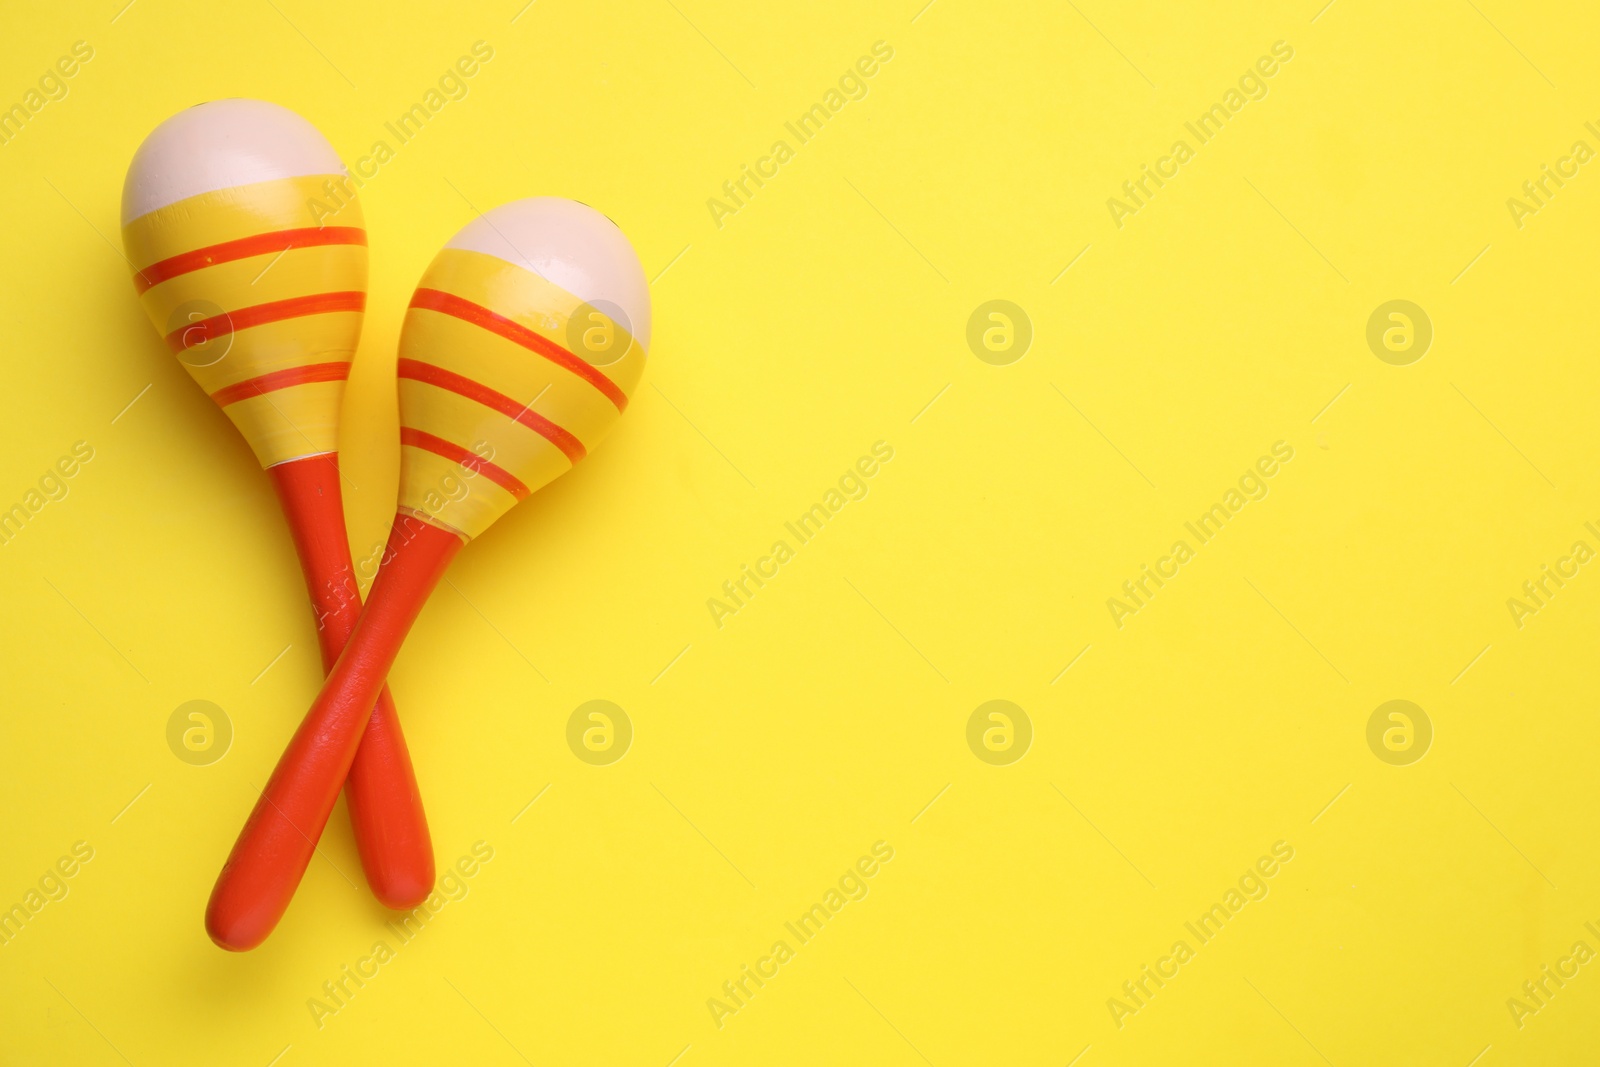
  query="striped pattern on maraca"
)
[
  {"x": 261, "y": 306},
  {"x": 494, "y": 401}
]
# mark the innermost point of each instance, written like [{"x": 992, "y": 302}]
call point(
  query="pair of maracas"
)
[{"x": 519, "y": 350}]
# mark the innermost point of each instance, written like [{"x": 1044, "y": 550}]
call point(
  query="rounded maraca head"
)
[
  {"x": 250, "y": 257},
  {"x": 521, "y": 346}
]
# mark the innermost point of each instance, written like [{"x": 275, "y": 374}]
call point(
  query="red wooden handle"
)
[
  {"x": 276, "y": 844},
  {"x": 385, "y": 804}
]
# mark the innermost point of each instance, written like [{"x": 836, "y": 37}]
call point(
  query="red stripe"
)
[
  {"x": 281, "y": 379},
  {"x": 516, "y": 333},
  {"x": 260, "y": 314},
  {"x": 562, "y": 438},
  {"x": 470, "y": 460},
  {"x": 245, "y": 247}
]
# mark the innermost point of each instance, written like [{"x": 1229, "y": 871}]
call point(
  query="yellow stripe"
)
[
  {"x": 229, "y": 214},
  {"x": 242, "y": 283},
  {"x": 275, "y": 346},
  {"x": 438, "y": 489},
  {"x": 302, "y": 420}
]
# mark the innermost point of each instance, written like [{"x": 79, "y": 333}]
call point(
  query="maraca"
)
[
  {"x": 519, "y": 350},
  {"x": 264, "y": 307}
]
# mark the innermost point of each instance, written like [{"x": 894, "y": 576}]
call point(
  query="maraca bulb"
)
[
  {"x": 249, "y": 267},
  {"x": 523, "y": 342}
]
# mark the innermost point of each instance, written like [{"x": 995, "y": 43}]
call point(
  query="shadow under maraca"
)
[
  {"x": 557, "y": 513},
  {"x": 206, "y": 430}
]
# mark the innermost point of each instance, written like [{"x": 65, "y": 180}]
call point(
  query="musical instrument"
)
[{"x": 520, "y": 348}]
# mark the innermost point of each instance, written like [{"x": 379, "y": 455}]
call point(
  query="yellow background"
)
[{"x": 825, "y": 716}]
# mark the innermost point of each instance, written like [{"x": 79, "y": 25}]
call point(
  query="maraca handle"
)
[
  {"x": 385, "y": 804},
  {"x": 275, "y": 846}
]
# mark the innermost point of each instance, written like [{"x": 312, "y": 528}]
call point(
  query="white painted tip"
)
[
  {"x": 568, "y": 244},
  {"x": 220, "y": 145}
]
